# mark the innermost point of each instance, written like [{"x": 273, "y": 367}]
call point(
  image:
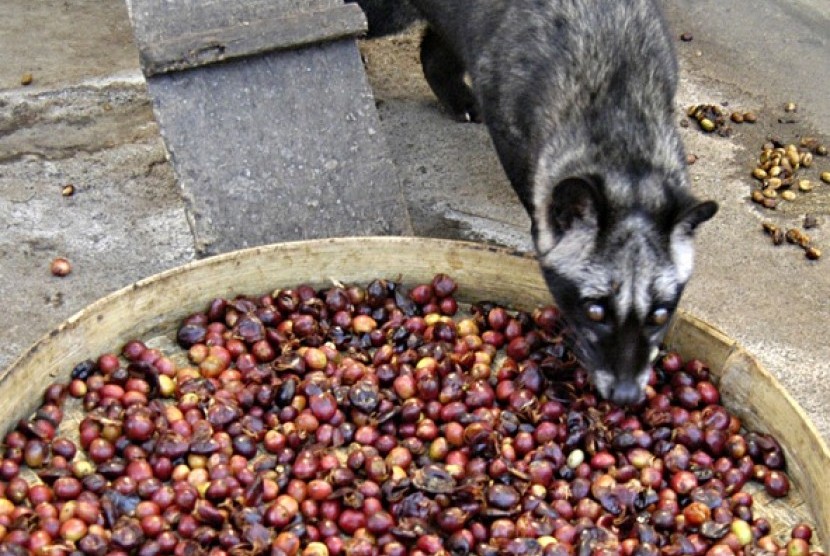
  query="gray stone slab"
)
[
  {"x": 279, "y": 147},
  {"x": 272, "y": 147}
]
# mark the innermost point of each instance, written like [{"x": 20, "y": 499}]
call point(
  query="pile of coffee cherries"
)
[{"x": 380, "y": 421}]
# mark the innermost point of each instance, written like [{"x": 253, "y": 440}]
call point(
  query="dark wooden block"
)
[
  {"x": 294, "y": 30},
  {"x": 156, "y": 21}
]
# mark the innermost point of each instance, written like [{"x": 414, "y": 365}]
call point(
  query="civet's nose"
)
[{"x": 627, "y": 392}]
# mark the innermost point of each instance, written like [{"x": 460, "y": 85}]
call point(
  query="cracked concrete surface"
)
[
  {"x": 86, "y": 120},
  {"x": 124, "y": 221}
]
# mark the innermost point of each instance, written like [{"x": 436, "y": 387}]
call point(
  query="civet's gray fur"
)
[{"x": 578, "y": 96}]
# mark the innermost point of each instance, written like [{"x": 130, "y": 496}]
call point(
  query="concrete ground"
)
[{"x": 86, "y": 120}]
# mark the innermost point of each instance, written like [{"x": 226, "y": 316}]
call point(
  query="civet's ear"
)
[
  {"x": 681, "y": 237},
  {"x": 696, "y": 215},
  {"x": 576, "y": 202}
]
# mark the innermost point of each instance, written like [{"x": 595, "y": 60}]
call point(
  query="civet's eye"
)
[
  {"x": 659, "y": 316},
  {"x": 596, "y": 312}
]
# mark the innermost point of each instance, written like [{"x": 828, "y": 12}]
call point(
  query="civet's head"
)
[{"x": 616, "y": 252}]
